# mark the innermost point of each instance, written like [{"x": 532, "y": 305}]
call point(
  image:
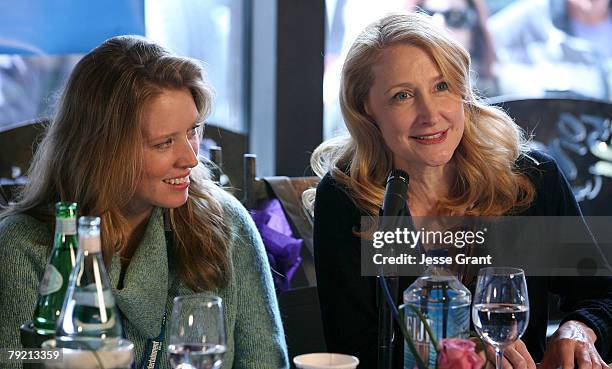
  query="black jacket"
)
[{"x": 348, "y": 300}]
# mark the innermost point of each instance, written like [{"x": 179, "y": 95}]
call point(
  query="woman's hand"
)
[
  {"x": 573, "y": 342},
  {"x": 515, "y": 356}
]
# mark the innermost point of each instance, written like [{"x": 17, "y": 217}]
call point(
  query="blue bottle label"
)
[
  {"x": 455, "y": 324},
  {"x": 421, "y": 340}
]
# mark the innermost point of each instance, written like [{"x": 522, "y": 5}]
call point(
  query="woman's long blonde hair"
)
[
  {"x": 92, "y": 154},
  {"x": 487, "y": 181}
]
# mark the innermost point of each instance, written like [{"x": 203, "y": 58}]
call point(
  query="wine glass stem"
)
[{"x": 499, "y": 358}]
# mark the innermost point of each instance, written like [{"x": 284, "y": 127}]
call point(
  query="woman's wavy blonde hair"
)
[
  {"x": 92, "y": 154},
  {"x": 487, "y": 182}
]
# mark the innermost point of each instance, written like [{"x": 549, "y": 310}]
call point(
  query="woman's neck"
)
[
  {"x": 427, "y": 186},
  {"x": 136, "y": 226}
]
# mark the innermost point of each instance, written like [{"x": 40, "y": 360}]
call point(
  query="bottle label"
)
[
  {"x": 91, "y": 298},
  {"x": 421, "y": 340},
  {"x": 444, "y": 323},
  {"x": 52, "y": 281},
  {"x": 65, "y": 226}
]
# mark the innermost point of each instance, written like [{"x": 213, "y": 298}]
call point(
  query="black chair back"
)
[
  {"x": 17, "y": 145},
  {"x": 577, "y": 134},
  {"x": 299, "y": 306}
]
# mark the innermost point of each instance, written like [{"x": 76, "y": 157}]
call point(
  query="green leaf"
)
[
  {"x": 419, "y": 361},
  {"x": 427, "y": 327}
]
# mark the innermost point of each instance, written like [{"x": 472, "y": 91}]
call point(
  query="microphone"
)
[
  {"x": 394, "y": 206},
  {"x": 396, "y": 192}
]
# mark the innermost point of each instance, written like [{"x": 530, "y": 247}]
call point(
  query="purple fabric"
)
[{"x": 282, "y": 248}]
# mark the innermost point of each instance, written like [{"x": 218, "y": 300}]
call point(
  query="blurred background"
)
[{"x": 275, "y": 64}]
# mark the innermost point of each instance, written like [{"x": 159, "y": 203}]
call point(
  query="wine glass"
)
[
  {"x": 196, "y": 332},
  {"x": 501, "y": 308}
]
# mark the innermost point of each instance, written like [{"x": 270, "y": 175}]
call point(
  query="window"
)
[
  {"x": 211, "y": 31},
  {"x": 523, "y": 48}
]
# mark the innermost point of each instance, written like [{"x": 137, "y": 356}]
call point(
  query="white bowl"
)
[
  {"x": 113, "y": 356},
  {"x": 324, "y": 360}
]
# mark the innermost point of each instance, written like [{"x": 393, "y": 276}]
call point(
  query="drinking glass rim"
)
[
  {"x": 501, "y": 271},
  {"x": 204, "y": 297},
  {"x": 203, "y": 302}
]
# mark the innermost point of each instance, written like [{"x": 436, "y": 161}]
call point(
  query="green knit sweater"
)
[{"x": 255, "y": 337}]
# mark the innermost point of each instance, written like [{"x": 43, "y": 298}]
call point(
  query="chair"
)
[
  {"x": 234, "y": 146},
  {"x": 3, "y": 200},
  {"x": 17, "y": 145},
  {"x": 8, "y": 190},
  {"x": 299, "y": 306},
  {"x": 577, "y": 134}
]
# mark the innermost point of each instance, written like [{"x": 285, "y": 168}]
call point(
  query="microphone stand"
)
[
  {"x": 387, "y": 292},
  {"x": 387, "y": 289},
  {"x": 385, "y": 321}
]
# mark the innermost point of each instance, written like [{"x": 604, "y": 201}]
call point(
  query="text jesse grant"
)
[{"x": 405, "y": 259}]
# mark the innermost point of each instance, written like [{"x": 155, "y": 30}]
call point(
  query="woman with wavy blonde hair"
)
[
  {"x": 408, "y": 104},
  {"x": 481, "y": 187},
  {"x": 124, "y": 146}
]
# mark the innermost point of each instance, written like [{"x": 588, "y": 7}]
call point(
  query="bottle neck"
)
[
  {"x": 65, "y": 234},
  {"x": 439, "y": 270},
  {"x": 90, "y": 243},
  {"x": 65, "y": 226}
]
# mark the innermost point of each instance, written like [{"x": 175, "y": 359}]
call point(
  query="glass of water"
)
[
  {"x": 500, "y": 309},
  {"x": 196, "y": 336}
]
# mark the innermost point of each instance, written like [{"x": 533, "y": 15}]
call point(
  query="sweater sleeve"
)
[
  {"x": 259, "y": 336},
  {"x": 348, "y": 300},
  {"x": 24, "y": 250},
  {"x": 585, "y": 299}
]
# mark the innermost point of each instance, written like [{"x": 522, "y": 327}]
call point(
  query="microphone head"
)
[
  {"x": 395, "y": 193},
  {"x": 398, "y": 174}
]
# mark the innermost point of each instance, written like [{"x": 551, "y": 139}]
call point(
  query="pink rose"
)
[{"x": 457, "y": 353}]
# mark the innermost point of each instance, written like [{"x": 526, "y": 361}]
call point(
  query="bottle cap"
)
[
  {"x": 66, "y": 210},
  {"x": 65, "y": 218}
]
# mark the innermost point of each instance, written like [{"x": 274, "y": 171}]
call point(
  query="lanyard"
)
[
  {"x": 152, "y": 351},
  {"x": 153, "y": 347}
]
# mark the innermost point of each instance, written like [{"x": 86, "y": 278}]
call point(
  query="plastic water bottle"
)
[
  {"x": 89, "y": 318},
  {"x": 445, "y": 303}
]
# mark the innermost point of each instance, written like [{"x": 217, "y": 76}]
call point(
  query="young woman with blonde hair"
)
[
  {"x": 407, "y": 102},
  {"x": 124, "y": 146}
]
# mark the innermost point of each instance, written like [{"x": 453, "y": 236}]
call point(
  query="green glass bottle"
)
[{"x": 52, "y": 288}]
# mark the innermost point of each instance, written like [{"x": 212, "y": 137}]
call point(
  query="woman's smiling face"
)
[
  {"x": 420, "y": 119},
  {"x": 170, "y": 150}
]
